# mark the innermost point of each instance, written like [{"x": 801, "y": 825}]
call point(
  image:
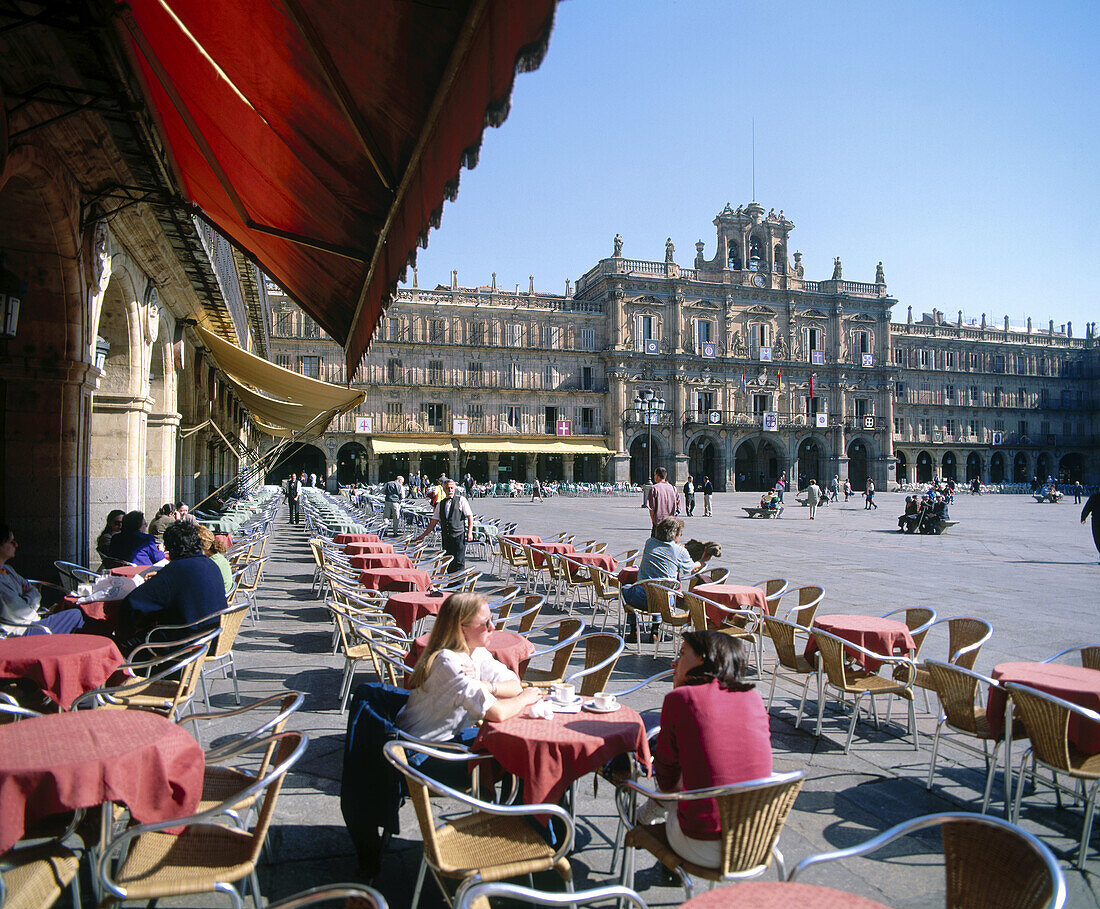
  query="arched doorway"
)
[
  {"x": 435, "y": 465},
  {"x": 392, "y": 465},
  {"x": 512, "y": 467},
  {"x": 767, "y": 466},
  {"x": 903, "y": 468},
  {"x": 586, "y": 468},
  {"x": 1071, "y": 468},
  {"x": 351, "y": 464},
  {"x": 997, "y": 468},
  {"x": 924, "y": 467},
  {"x": 640, "y": 472},
  {"x": 973, "y": 466},
  {"x": 703, "y": 461},
  {"x": 301, "y": 459},
  {"x": 549, "y": 469},
  {"x": 949, "y": 468},
  {"x": 858, "y": 458},
  {"x": 477, "y": 466},
  {"x": 1044, "y": 467},
  {"x": 811, "y": 463},
  {"x": 744, "y": 465},
  {"x": 1019, "y": 468}
]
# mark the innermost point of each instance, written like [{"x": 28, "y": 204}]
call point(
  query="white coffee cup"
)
[
  {"x": 564, "y": 694},
  {"x": 604, "y": 701}
]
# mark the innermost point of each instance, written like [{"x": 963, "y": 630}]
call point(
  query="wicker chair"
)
[
  {"x": 801, "y": 612},
  {"x": 207, "y": 856},
  {"x": 492, "y": 843},
  {"x": 576, "y": 577},
  {"x": 525, "y": 618},
  {"x": 1090, "y": 655},
  {"x": 773, "y": 589},
  {"x": 1047, "y": 720},
  {"x": 350, "y": 896},
  {"x": 601, "y": 653},
  {"x": 751, "y": 814},
  {"x": 658, "y": 596},
  {"x": 743, "y": 624},
  {"x": 963, "y": 711},
  {"x": 838, "y": 675},
  {"x": 72, "y": 575},
  {"x": 789, "y": 658},
  {"x": 479, "y": 896},
  {"x": 606, "y": 591},
  {"x": 536, "y": 564},
  {"x": 569, "y": 633},
  {"x": 965, "y": 637},
  {"x": 34, "y": 874},
  {"x": 707, "y": 576},
  {"x": 987, "y": 862}
]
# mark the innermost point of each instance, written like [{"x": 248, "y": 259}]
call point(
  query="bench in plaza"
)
[{"x": 760, "y": 512}]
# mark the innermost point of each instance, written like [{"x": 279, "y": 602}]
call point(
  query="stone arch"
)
[
  {"x": 639, "y": 450},
  {"x": 162, "y": 428},
  {"x": 949, "y": 466},
  {"x": 1044, "y": 466},
  {"x": 44, "y": 373},
  {"x": 1020, "y": 468},
  {"x": 351, "y": 464},
  {"x": 973, "y": 466},
  {"x": 810, "y": 460},
  {"x": 997, "y": 467},
  {"x": 925, "y": 467},
  {"x": 859, "y": 462},
  {"x": 1071, "y": 467},
  {"x": 705, "y": 459},
  {"x": 758, "y": 463},
  {"x": 902, "y": 467}
]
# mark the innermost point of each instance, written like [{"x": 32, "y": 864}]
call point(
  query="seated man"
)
[
  {"x": 663, "y": 559},
  {"x": 184, "y": 592},
  {"x": 909, "y": 520},
  {"x": 770, "y": 501}
]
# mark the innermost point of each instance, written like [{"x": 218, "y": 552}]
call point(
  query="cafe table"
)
[
  {"x": 64, "y": 666},
  {"x": 549, "y": 755},
  {"x": 395, "y": 579},
  {"x": 351, "y": 549},
  {"x": 510, "y": 648},
  {"x": 409, "y": 608},
  {"x": 599, "y": 559},
  {"x": 778, "y": 895},
  {"x": 58, "y": 763},
  {"x": 523, "y": 539},
  {"x": 341, "y": 538},
  {"x": 130, "y": 571},
  {"x": 539, "y": 550},
  {"x": 628, "y": 575},
  {"x": 732, "y": 596},
  {"x": 381, "y": 560},
  {"x": 885, "y": 636}
]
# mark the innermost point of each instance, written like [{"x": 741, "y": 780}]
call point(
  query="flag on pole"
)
[
  {"x": 811, "y": 384},
  {"x": 779, "y": 379},
  {"x": 744, "y": 385}
]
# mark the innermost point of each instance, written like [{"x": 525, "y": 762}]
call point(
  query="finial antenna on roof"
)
[{"x": 754, "y": 159}]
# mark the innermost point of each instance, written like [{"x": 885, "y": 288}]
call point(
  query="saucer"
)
[
  {"x": 558, "y": 707},
  {"x": 592, "y": 706}
]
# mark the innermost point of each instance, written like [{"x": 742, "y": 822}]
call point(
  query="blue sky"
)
[{"x": 955, "y": 142}]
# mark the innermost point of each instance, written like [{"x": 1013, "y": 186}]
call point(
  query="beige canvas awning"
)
[
  {"x": 407, "y": 446},
  {"x": 552, "y": 445},
  {"x": 276, "y": 396}
]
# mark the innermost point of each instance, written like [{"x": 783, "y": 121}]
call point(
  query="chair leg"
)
[
  {"x": 913, "y": 723},
  {"x": 990, "y": 773},
  {"x": 1086, "y": 830},
  {"x": 802, "y": 702},
  {"x": 771, "y": 690},
  {"x": 232, "y": 666},
  {"x": 855, "y": 719},
  {"x": 205, "y": 691},
  {"x": 255, "y": 883},
  {"x": 935, "y": 752}
]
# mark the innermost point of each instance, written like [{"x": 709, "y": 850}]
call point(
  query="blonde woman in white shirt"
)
[{"x": 457, "y": 682}]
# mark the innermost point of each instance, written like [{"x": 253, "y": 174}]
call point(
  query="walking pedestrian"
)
[
  {"x": 662, "y": 500},
  {"x": 708, "y": 494},
  {"x": 293, "y": 492},
  {"x": 393, "y": 493},
  {"x": 1092, "y": 507},
  {"x": 780, "y": 488},
  {"x": 813, "y": 496},
  {"x": 536, "y": 490},
  {"x": 1077, "y": 490},
  {"x": 456, "y": 525},
  {"x": 847, "y": 489},
  {"x": 834, "y": 488},
  {"x": 869, "y": 494},
  {"x": 689, "y": 495}
]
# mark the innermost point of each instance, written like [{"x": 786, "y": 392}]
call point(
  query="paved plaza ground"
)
[{"x": 1027, "y": 568}]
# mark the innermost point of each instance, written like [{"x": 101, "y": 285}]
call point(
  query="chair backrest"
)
[
  {"x": 808, "y": 599},
  {"x": 782, "y": 634},
  {"x": 957, "y": 689},
  {"x": 350, "y": 896},
  {"x": 601, "y": 653},
  {"x": 831, "y": 649},
  {"x": 965, "y": 637},
  {"x": 658, "y": 597},
  {"x": 72, "y": 575},
  {"x": 604, "y": 582},
  {"x": 752, "y": 816},
  {"x": 291, "y": 746},
  {"x": 532, "y": 605},
  {"x": 554, "y": 565},
  {"x": 773, "y": 589},
  {"x": 478, "y": 896},
  {"x": 1047, "y": 720},
  {"x": 503, "y": 599},
  {"x": 714, "y": 575},
  {"x": 919, "y": 620},
  {"x": 230, "y": 620},
  {"x": 575, "y": 575},
  {"x": 987, "y": 862},
  {"x": 696, "y": 607}
]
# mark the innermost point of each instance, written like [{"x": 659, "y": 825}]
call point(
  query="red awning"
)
[{"x": 323, "y": 138}]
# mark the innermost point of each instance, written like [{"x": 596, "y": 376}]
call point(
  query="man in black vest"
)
[
  {"x": 293, "y": 494},
  {"x": 456, "y": 525}
]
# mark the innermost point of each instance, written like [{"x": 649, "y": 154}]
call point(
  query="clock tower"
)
[{"x": 751, "y": 244}]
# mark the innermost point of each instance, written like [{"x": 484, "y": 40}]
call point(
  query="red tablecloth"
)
[
  {"x": 548, "y": 755},
  {"x": 541, "y": 548},
  {"x": 341, "y": 538},
  {"x": 524, "y": 539},
  {"x": 513, "y": 650},
  {"x": 408, "y": 608},
  {"x": 129, "y": 571},
  {"x": 778, "y": 895},
  {"x": 226, "y": 538},
  {"x": 364, "y": 548},
  {"x": 62, "y": 665},
  {"x": 600, "y": 559},
  {"x": 57, "y": 763},
  {"x": 732, "y": 596},
  {"x": 100, "y": 610},
  {"x": 1070, "y": 683},
  {"x": 381, "y": 560},
  {"x": 628, "y": 575},
  {"x": 395, "y": 579},
  {"x": 885, "y": 636}
]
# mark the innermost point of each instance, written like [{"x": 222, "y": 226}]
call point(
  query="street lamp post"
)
[{"x": 648, "y": 404}]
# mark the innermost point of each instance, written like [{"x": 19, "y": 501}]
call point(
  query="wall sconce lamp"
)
[
  {"x": 12, "y": 289},
  {"x": 102, "y": 348}
]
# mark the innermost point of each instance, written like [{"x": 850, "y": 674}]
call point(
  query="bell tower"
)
[{"x": 750, "y": 243}]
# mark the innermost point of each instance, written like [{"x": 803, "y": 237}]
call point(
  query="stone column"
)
[
  {"x": 494, "y": 467},
  {"x": 414, "y": 463},
  {"x": 678, "y": 469},
  {"x": 118, "y": 452},
  {"x": 567, "y": 467},
  {"x": 160, "y": 460}
]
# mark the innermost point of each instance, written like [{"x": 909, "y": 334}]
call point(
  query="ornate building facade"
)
[{"x": 737, "y": 368}]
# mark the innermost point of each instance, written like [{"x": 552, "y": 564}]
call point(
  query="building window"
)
[
  {"x": 475, "y": 375},
  {"x": 949, "y": 359},
  {"x": 897, "y": 426},
  {"x": 812, "y": 405},
  {"x": 1021, "y": 428},
  {"x": 704, "y": 402},
  {"x": 949, "y": 428},
  {"x": 436, "y": 415},
  {"x": 647, "y": 328},
  {"x": 974, "y": 427},
  {"x": 761, "y": 404},
  {"x": 998, "y": 396},
  {"x": 514, "y": 331},
  {"x": 922, "y": 428},
  {"x": 476, "y": 415},
  {"x": 549, "y": 377},
  {"x": 1044, "y": 397},
  {"x": 311, "y": 329},
  {"x": 588, "y": 420},
  {"x": 393, "y": 329},
  {"x": 949, "y": 394},
  {"x": 974, "y": 360},
  {"x": 1067, "y": 399},
  {"x": 1042, "y": 366},
  {"x": 899, "y": 356},
  {"x": 437, "y": 331},
  {"x": 863, "y": 408},
  {"x": 761, "y": 334},
  {"x": 975, "y": 395},
  {"x": 395, "y": 375},
  {"x": 435, "y": 372},
  {"x": 515, "y": 376},
  {"x": 1021, "y": 397},
  {"x": 395, "y": 415},
  {"x": 861, "y": 342},
  {"x": 552, "y": 336},
  {"x": 588, "y": 339},
  {"x": 513, "y": 416},
  {"x": 551, "y": 421},
  {"x": 283, "y": 360},
  {"x": 586, "y": 378},
  {"x": 998, "y": 425},
  {"x": 1021, "y": 364},
  {"x": 311, "y": 366},
  {"x": 899, "y": 391},
  {"x": 282, "y": 324},
  {"x": 477, "y": 334},
  {"x": 704, "y": 333},
  {"x": 925, "y": 358}
]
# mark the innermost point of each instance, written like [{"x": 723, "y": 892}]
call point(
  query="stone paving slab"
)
[{"x": 1029, "y": 569}]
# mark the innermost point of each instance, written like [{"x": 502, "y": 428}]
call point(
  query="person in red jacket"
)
[{"x": 714, "y": 731}]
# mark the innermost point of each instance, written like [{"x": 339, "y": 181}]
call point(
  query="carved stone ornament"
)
[
  {"x": 739, "y": 345},
  {"x": 761, "y": 377},
  {"x": 618, "y": 254},
  {"x": 781, "y": 348},
  {"x": 101, "y": 258},
  {"x": 152, "y": 313}
]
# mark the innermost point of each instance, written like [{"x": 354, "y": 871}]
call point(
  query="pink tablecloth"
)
[
  {"x": 732, "y": 596},
  {"x": 408, "y": 608},
  {"x": 885, "y": 636},
  {"x": 99, "y": 610},
  {"x": 364, "y": 548},
  {"x": 1070, "y": 683},
  {"x": 600, "y": 559},
  {"x": 62, "y": 665},
  {"x": 395, "y": 579},
  {"x": 513, "y": 650},
  {"x": 548, "y": 755},
  {"x": 540, "y": 549},
  {"x": 129, "y": 571},
  {"x": 778, "y": 895},
  {"x": 381, "y": 560},
  {"x": 524, "y": 539},
  {"x": 57, "y": 763},
  {"x": 341, "y": 538},
  {"x": 628, "y": 575}
]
